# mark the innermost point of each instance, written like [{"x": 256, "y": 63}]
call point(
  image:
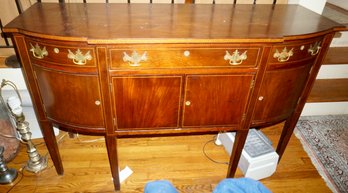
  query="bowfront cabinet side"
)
[
  {"x": 286, "y": 75},
  {"x": 288, "y": 83},
  {"x": 67, "y": 79},
  {"x": 216, "y": 100},
  {"x": 145, "y": 102},
  {"x": 72, "y": 100}
]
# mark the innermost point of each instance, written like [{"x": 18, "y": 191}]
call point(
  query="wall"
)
[{"x": 314, "y": 5}]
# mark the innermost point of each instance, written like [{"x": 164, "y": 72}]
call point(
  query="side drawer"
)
[
  {"x": 295, "y": 51},
  {"x": 64, "y": 55},
  {"x": 169, "y": 57}
]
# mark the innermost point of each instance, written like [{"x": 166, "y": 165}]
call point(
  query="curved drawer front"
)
[
  {"x": 296, "y": 51},
  {"x": 69, "y": 55},
  {"x": 140, "y": 57}
]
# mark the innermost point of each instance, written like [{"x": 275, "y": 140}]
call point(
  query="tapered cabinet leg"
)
[
  {"x": 284, "y": 139},
  {"x": 236, "y": 152},
  {"x": 111, "y": 145},
  {"x": 52, "y": 146}
]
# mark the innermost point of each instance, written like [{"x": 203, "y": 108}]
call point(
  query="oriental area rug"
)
[{"x": 325, "y": 139}]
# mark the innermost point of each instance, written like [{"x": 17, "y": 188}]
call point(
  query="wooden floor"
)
[{"x": 178, "y": 159}]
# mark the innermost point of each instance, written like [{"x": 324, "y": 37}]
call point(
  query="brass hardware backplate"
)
[
  {"x": 235, "y": 58},
  {"x": 314, "y": 49},
  {"x": 37, "y": 51},
  {"x": 135, "y": 58},
  {"x": 284, "y": 55},
  {"x": 79, "y": 58}
]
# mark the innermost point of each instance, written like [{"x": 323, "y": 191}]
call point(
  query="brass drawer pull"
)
[
  {"x": 135, "y": 58},
  {"x": 284, "y": 55},
  {"x": 38, "y": 52},
  {"x": 314, "y": 50},
  {"x": 235, "y": 58},
  {"x": 79, "y": 58}
]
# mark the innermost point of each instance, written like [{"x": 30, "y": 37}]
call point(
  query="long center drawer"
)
[{"x": 192, "y": 57}]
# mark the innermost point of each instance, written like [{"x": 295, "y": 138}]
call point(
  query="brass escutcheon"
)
[
  {"x": 314, "y": 50},
  {"x": 38, "y": 52},
  {"x": 79, "y": 58},
  {"x": 135, "y": 58},
  {"x": 284, "y": 55},
  {"x": 235, "y": 58}
]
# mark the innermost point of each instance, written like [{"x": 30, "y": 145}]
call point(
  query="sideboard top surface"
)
[{"x": 115, "y": 23}]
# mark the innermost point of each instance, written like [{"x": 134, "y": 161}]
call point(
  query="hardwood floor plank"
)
[{"x": 177, "y": 159}]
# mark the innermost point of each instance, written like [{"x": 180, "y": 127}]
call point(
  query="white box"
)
[{"x": 256, "y": 162}]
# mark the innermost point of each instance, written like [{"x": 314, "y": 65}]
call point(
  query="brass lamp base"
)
[
  {"x": 36, "y": 162},
  {"x": 6, "y": 175},
  {"x": 36, "y": 166}
]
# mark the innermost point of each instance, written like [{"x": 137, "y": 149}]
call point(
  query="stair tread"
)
[
  {"x": 336, "y": 55},
  {"x": 329, "y": 90}
]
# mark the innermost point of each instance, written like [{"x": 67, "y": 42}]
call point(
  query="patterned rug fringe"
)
[
  {"x": 325, "y": 140},
  {"x": 316, "y": 162}
]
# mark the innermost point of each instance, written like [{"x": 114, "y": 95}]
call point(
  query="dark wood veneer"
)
[
  {"x": 198, "y": 57},
  {"x": 216, "y": 100},
  {"x": 147, "y": 102},
  {"x": 69, "y": 99},
  {"x": 185, "y": 86}
]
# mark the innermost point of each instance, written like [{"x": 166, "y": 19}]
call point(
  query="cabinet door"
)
[
  {"x": 147, "y": 102},
  {"x": 280, "y": 92},
  {"x": 70, "y": 99},
  {"x": 216, "y": 100}
]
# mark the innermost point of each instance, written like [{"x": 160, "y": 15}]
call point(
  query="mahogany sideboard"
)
[{"x": 127, "y": 70}]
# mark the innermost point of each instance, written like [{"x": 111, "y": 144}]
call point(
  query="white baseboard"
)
[
  {"x": 332, "y": 108},
  {"x": 333, "y": 71}
]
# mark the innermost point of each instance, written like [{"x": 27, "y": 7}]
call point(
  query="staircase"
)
[{"x": 330, "y": 91}]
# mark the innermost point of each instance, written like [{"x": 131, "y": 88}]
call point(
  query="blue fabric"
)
[
  {"x": 241, "y": 185},
  {"x": 160, "y": 186}
]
